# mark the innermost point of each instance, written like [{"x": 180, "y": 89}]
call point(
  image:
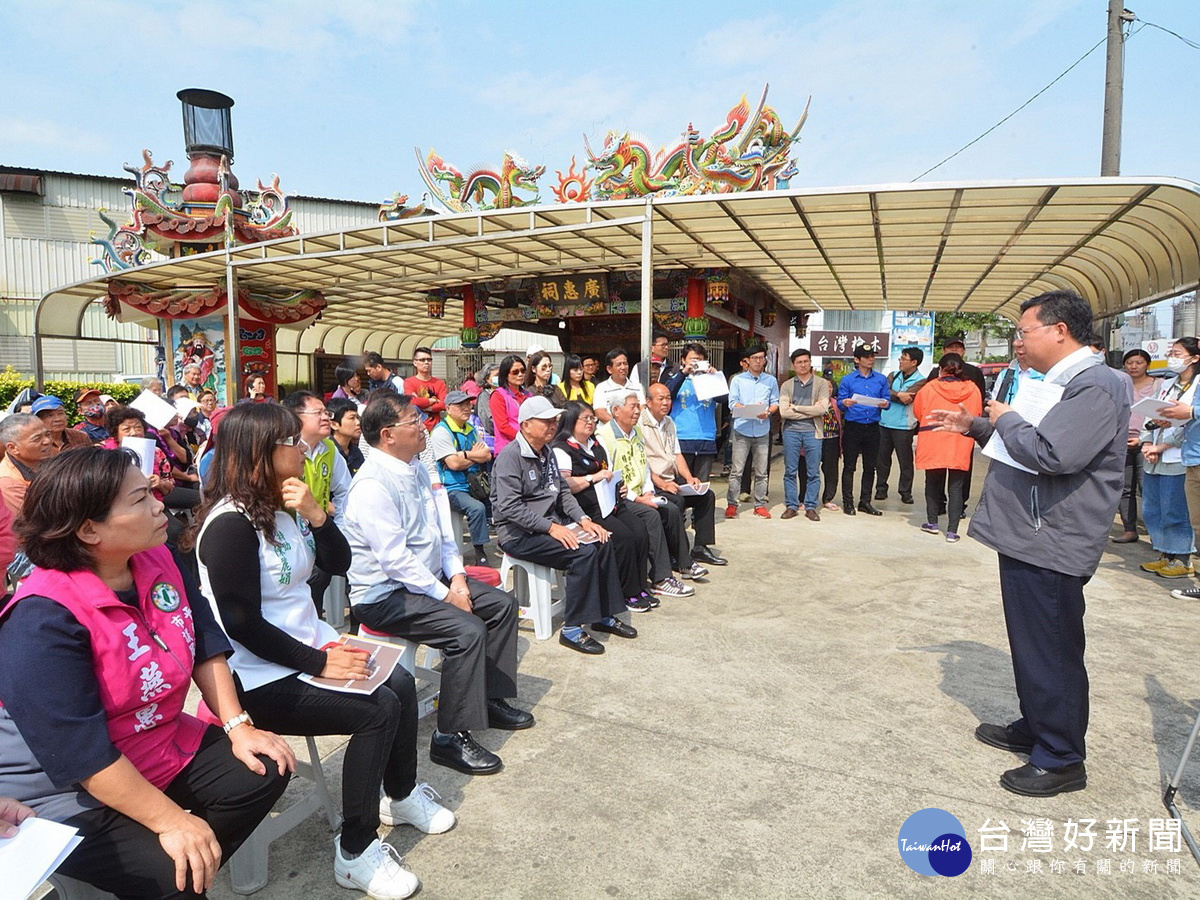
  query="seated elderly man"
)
[
  {"x": 669, "y": 471},
  {"x": 533, "y": 507},
  {"x": 626, "y": 448},
  {"x": 50, "y": 410},
  {"x": 27, "y": 444},
  {"x": 407, "y": 578}
]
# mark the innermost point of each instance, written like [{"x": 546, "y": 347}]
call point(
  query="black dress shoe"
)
[
  {"x": 1004, "y": 737},
  {"x": 1031, "y": 781},
  {"x": 906, "y": 498},
  {"x": 462, "y": 752},
  {"x": 881, "y": 495},
  {"x": 506, "y": 717},
  {"x": 619, "y": 628},
  {"x": 866, "y": 507},
  {"x": 585, "y": 644},
  {"x": 703, "y": 554},
  {"x": 848, "y": 508}
]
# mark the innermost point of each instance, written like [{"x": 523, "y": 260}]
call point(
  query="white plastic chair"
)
[{"x": 533, "y": 585}]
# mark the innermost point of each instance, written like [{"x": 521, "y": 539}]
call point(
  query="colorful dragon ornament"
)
[{"x": 481, "y": 188}]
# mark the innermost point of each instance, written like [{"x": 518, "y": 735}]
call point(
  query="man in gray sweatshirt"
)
[{"x": 1048, "y": 518}]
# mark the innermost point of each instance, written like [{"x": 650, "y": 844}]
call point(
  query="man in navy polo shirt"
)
[{"x": 860, "y": 428}]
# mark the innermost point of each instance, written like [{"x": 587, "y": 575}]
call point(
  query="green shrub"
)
[{"x": 12, "y": 383}]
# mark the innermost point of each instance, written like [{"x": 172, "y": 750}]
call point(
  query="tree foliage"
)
[{"x": 947, "y": 326}]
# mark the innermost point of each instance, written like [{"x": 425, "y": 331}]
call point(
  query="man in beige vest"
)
[{"x": 671, "y": 477}]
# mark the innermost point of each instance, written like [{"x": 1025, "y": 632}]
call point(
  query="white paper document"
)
[
  {"x": 749, "y": 411},
  {"x": 1034, "y": 399},
  {"x": 686, "y": 490},
  {"x": 869, "y": 401},
  {"x": 144, "y": 448},
  {"x": 710, "y": 384},
  {"x": 1149, "y": 407},
  {"x": 382, "y": 659},
  {"x": 606, "y": 494},
  {"x": 158, "y": 411},
  {"x": 32, "y": 856}
]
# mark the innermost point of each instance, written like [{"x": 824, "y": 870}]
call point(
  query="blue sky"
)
[{"x": 334, "y": 96}]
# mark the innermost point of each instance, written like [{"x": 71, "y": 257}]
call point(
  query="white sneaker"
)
[
  {"x": 379, "y": 872},
  {"x": 419, "y": 809}
]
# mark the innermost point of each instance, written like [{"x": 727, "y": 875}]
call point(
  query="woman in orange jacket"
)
[{"x": 945, "y": 456}]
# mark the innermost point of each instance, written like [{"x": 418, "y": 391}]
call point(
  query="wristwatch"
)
[
  {"x": 587, "y": 478},
  {"x": 243, "y": 719}
]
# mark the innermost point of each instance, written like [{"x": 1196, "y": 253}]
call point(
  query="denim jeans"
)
[
  {"x": 756, "y": 451},
  {"x": 476, "y": 512},
  {"x": 1165, "y": 512},
  {"x": 795, "y": 443}
]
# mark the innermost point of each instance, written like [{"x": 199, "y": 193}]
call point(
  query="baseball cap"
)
[
  {"x": 863, "y": 350},
  {"x": 107, "y": 398},
  {"x": 87, "y": 396},
  {"x": 537, "y": 408},
  {"x": 46, "y": 403},
  {"x": 457, "y": 397}
]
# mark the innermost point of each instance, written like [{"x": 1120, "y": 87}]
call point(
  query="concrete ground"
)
[{"x": 769, "y": 737}]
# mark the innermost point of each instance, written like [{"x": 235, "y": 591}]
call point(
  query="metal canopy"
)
[{"x": 978, "y": 247}]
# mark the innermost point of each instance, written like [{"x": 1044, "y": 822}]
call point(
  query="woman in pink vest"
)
[
  {"x": 506, "y": 400},
  {"x": 100, "y": 645}
]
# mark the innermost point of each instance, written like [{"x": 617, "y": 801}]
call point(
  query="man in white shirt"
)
[
  {"x": 618, "y": 384},
  {"x": 407, "y": 578}
]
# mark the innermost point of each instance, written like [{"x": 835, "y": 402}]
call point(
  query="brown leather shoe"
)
[
  {"x": 789, "y": 513},
  {"x": 812, "y": 515}
]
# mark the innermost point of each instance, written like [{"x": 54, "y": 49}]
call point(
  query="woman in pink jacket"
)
[
  {"x": 945, "y": 456},
  {"x": 506, "y": 400},
  {"x": 100, "y": 646}
]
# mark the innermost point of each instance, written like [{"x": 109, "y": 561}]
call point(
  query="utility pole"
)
[{"x": 1114, "y": 78}]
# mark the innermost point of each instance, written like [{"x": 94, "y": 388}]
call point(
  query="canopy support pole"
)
[{"x": 647, "y": 280}]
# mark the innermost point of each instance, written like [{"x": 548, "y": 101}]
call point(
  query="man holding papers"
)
[
  {"x": 861, "y": 395},
  {"x": 1048, "y": 518},
  {"x": 671, "y": 477},
  {"x": 753, "y": 397}
]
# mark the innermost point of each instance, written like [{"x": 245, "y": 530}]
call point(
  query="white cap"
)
[{"x": 537, "y": 408}]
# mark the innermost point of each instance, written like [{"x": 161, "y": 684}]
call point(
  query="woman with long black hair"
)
[{"x": 260, "y": 532}]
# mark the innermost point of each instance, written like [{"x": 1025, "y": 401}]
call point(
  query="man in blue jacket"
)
[
  {"x": 860, "y": 427},
  {"x": 1048, "y": 518}
]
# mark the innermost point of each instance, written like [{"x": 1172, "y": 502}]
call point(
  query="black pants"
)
[
  {"x": 383, "y": 740},
  {"x": 1133, "y": 487},
  {"x": 1043, "y": 611},
  {"x": 658, "y": 547},
  {"x": 593, "y": 589},
  {"x": 318, "y": 583},
  {"x": 831, "y": 452},
  {"x": 859, "y": 440},
  {"x": 124, "y": 858},
  {"x": 699, "y": 464},
  {"x": 479, "y": 648},
  {"x": 901, "y": 442},
  {"x": 631, "y": 546},
  {"x": 671, "y": 517},
  {"x": 937, "y": 483},
  {"x": 703, "y": 510}
]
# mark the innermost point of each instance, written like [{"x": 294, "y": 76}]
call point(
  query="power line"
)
[
  {"x": 1018, "y": 109},
  {"x": 1193, "y": 44}
]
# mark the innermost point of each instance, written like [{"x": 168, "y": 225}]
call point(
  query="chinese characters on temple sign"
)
[
  {"x": 572, "y": 288},
  {"x": 1080, "y": 836},
  {"x": 842, "y": 343}
]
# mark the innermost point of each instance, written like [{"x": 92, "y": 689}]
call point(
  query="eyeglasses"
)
[
  {"x": 1022, "y": 332},
  {"x": 420, "y": 420},
  {"x": 423, "y": 359},
  {"x": 516, "y": 371},
  {"x": 293, "y": 441},
  {"x": 588, "y": 420},
  {"x": 322, "y": 413}
]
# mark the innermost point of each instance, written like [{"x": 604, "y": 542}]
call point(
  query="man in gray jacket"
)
[
  {"x": 541, "y": 522},
  {"x": 1048, "y": 518}
]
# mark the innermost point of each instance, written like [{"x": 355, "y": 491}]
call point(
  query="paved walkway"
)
[{"x": 769, "y": 737}]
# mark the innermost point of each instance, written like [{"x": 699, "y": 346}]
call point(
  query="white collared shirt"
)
[{"x": 399, "y": 533}]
